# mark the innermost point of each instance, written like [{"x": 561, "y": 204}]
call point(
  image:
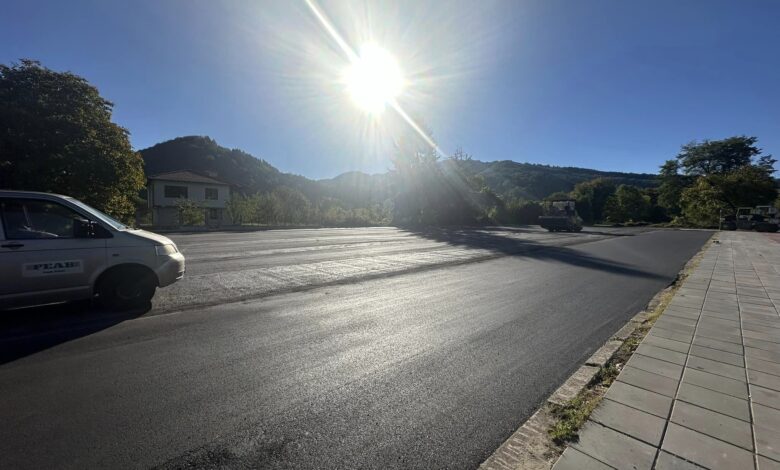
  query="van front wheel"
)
[{"x": 126, "y": 288}]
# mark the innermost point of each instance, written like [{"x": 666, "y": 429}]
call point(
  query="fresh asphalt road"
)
[{"x": 415, "y": 364}]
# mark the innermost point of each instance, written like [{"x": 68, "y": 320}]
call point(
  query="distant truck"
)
[
  {"x": 560, "y": 216},
  {"x": 759, "y": 219}
]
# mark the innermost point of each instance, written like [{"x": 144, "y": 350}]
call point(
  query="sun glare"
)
[{"x": 373, "y": 79}]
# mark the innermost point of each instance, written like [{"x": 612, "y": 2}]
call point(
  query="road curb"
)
[{"x": 530, "y": 446}]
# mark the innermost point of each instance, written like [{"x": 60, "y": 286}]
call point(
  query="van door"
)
[{"x": 40, "y": 254}]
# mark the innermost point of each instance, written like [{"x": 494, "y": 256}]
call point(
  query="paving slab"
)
[
  {"x": 670, "y": 334},
  {"x": 613, "y": 448},
  {"x": 734, "y": 316},
  {"x": 764, "y": 380},
  {"x": 762, "y": 327},
  {"x": 719, "y": 335},
  {"x": 639, "y": 398},
  {"x": 705, "y": 450},
  {"x": 667, "y": 461},
  {"x": 649, "y": 381},
  {"x": 765, "y": 396},
  {"x": 766, "y": 417},
  {"x": 662, "y": 354},
  {"x": 715, "y": 401},
  {"x": 764, "y": 346},
  {"x": 656, "y": 366},
  {"x": 768, "y": 443},
  {"x": 716, "y": 382},
  {"x": 711, "y": 423},
  {"x": 672, "y": 322},
  {"x": 772, "y": 338},
  {"x": 717, "y": 322},
  {"x": 717, "y": 355},
  {"x": 637, "y": 424},
  {"x": 670, "y": 344},
  {"x": 761, "y": 365},
  {"x": 716, "y": 367},
  {"x": 717, "y": 344},
  {"x": 767, "y": 464},
  {"x": 572, "y": 459}
]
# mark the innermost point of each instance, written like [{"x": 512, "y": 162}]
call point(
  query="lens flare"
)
[{"x": 373, "y": 79}]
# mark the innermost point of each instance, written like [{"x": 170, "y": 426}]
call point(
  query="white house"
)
[{"x": 165, "y": 189}]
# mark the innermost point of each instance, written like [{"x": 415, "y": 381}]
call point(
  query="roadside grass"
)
[{"x": 569, "y": 418}]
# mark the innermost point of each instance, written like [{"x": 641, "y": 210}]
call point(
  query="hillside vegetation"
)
[
  {"x": 251, "y": 175},
  {"x": 534, "y": 181},
  {"x": 56, "y": 134}
]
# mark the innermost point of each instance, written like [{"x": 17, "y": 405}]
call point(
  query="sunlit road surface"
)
[
  {"x": 224, "y": 267},
  {"x": 429, "y": 356}
]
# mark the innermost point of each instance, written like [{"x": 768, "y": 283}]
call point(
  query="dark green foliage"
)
[
  {"x": 513, "y": 180},
  {"x": 729, "y": 174},
  {"x": 246, "y": 173},
  {"x": 56, "y": 135},
  {"x": 720, "y": 156},
  {"x": 356, "y": 189},
  {"x": 671, "y": 188},
  {"x": 591, "y": 198},
  {"x": 628, "y": 203},
  {"x": 429, "y": 192},
  {"x": 423, "y": 189},
  {"x": 711, "y": 195},
  {"x": 190, "y": 212},
  {"x": 523, "y": 212}
]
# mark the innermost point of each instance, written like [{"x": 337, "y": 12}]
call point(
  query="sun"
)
[{"x": 373, "y": 79}]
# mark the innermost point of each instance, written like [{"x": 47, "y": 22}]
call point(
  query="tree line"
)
[{"x": 56, "y": 135}]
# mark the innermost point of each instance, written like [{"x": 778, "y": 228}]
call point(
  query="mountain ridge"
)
[{"x": 250, "y": 174}]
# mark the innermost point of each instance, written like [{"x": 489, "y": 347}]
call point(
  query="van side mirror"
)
[{"x": 83, "y": 228}]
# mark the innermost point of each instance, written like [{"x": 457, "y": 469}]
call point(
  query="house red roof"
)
[{"x": 185, "y": 176}]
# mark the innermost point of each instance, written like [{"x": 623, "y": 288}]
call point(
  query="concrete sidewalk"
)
[{"x": 703, "y": 388}]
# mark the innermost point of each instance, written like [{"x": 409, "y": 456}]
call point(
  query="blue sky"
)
[{"x": 605, "y": 84}]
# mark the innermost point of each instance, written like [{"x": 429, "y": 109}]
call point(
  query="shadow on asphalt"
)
[
  {"x": 488, "y": 240},
  {"x": 26, "y": 331}
]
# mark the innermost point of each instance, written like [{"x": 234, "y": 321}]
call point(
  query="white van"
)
[{"x": 55, "y": 248}]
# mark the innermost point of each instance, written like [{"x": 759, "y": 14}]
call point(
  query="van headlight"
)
[{"x": 165, "y": 250}]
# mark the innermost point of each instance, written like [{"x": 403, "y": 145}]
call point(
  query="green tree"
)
[
  {"x": 293, "y": 206},
  {"x": 718, "y": 176},
  {"x": 56, "y": 135},
  {"x": 628, "y": 203},
  {"x": 671, "y": 187},
  {"x": 591, "y": 198},
  {"x": 239, "y": 208},
  {"x": 720, "y": 156},
  {"x": 523, "y": 212},
  {"x": 748, "y": 186},
  {"x": 190, "y": 212},
  {"x": 434, "y": 192}
]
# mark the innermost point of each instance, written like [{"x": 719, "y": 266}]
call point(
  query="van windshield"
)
[{"x": 103, "y": 217}]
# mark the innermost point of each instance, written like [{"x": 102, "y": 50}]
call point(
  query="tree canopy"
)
[
  {"x": 729, "y": 174},
  {"x": 56, "y": 135},
  {"x": 720, "y": 156}
]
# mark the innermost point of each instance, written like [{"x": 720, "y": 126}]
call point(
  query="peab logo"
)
[{"x": 46, "y": 268}]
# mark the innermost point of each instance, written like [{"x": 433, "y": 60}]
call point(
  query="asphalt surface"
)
[{"x": 429, "y": 362}]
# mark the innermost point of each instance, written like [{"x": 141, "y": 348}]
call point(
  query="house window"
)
[
  {"x": 212, "y": 194},
  {"x": 213, "y": 214},
  {"x": 175, "y": 192}
]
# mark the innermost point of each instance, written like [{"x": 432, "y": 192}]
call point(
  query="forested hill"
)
[
  {"x": 534, "y": 181},
  {"x": 251, "y": 175},
  {"x": 247, "y": 173}
]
